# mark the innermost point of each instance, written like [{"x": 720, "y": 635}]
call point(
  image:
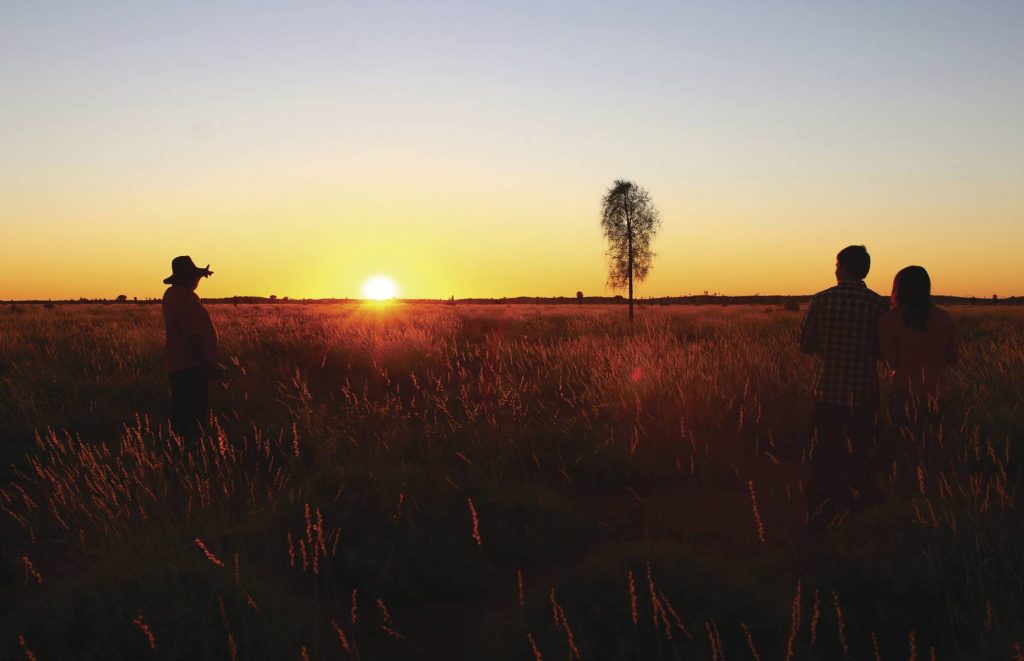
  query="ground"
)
[{"x": 489, "y": 481}]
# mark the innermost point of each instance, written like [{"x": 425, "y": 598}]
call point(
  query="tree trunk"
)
[{"x": 629, "y": 256}]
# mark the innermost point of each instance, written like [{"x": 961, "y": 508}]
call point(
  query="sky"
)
[{"x": 462, "y": 148}]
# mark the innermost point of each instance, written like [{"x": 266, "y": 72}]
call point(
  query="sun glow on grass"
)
[{"x": 380, "y": 288}]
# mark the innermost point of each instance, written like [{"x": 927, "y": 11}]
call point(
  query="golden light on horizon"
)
[
  {"x": 434, "y": 163},
  {"x": 380, "y": 288}
]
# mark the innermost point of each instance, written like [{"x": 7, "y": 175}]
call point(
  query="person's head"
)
[
  {"x": 853, "y": 263},
  {"x": 184, "y": 273},
  {"x": 912, "y": 293}
]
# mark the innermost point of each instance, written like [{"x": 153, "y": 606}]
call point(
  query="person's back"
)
[
  {"x": 918, "y": 339},
  {"x": 841, "y": 329},
  {"x": 918, "y": 358},
  {"x": 918, "y": 343}
]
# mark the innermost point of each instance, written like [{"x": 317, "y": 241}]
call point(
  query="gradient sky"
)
[{"x": 463, "y": 148}]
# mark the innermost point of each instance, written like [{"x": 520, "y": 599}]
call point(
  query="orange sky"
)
[{"x": 464, "y": 151}]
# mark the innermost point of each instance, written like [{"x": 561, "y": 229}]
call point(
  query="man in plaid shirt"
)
[{"x": 841, "y": 329}]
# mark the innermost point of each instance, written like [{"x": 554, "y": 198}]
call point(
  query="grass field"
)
[{"x": 489, "y": 482}]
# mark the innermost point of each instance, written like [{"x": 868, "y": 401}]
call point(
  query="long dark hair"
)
[{"x": 912, "y": 292}]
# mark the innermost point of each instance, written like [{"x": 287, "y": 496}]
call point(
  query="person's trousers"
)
[
  {"x": 839, "y": 477},
  {"x": 190, "y": 400}
]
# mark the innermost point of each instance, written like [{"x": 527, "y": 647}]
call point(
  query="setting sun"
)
[{"x": 380, "y": 288}]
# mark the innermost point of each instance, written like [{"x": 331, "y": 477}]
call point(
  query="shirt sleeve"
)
[{"x": 809, "y": 330}]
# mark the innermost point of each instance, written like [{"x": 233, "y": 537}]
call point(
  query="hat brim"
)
[{"x": 176, "y": 278}]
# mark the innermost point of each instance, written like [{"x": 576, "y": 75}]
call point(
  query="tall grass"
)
[{"x": 489, "y": 481}]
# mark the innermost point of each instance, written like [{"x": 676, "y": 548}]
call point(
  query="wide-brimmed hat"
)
[{"x": 184, "y": 269}]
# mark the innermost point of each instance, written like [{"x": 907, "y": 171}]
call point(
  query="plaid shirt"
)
[{"x": 841, "y": 329}]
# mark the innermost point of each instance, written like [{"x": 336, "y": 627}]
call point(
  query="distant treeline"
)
[{"x": 756, "y": 299}]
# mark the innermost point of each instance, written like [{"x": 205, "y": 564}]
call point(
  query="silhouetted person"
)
[
  {"x": 840, "y": 327},
  {"x": 918, "y": 341},
  {"x": 191, "y": 348},
  {"x": 918, "y": 338}
]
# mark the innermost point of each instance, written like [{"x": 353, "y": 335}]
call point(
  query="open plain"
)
[{"x": 491, "y": 481}]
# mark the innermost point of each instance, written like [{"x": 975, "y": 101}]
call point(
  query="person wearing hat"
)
[{"x": 191, "y": 349}]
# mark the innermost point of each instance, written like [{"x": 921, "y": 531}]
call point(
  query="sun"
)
[{"x": 380, "y": 288}]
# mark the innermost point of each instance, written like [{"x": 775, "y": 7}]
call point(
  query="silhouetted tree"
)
[
  {"x": 579, "y": 297},
  {"x": 629, "y": 220},
  {"x": 121, "y": 298}
]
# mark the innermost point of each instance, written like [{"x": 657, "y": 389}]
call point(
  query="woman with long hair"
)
[
  {"x": 918, "y": 342},
  {"x": 918, "y": 338}
]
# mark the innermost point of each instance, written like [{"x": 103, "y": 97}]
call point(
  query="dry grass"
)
[{"x": 429, "y": 457}]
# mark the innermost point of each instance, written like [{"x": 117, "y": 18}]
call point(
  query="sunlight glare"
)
[{"x": 380, "y": 288}]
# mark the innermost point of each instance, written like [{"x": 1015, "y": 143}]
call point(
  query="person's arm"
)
[
  {"x": 195, "y": 347},
  {"x": 195, "y": 327},
  {"x": 809, "y": 330}
]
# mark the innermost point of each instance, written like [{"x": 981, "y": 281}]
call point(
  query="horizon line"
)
[{"x": 610, "y": 298}]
